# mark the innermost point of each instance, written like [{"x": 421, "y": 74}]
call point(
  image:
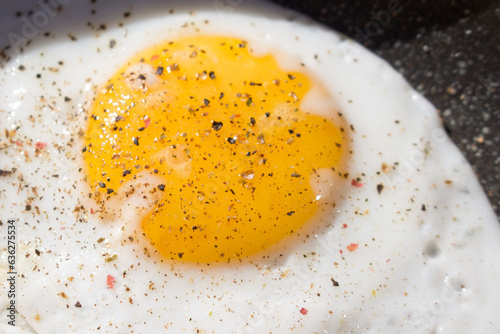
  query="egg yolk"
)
[{"x": 224, "y": 132}]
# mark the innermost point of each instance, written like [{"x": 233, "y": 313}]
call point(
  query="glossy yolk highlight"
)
[{"x": 225, "y": 133}]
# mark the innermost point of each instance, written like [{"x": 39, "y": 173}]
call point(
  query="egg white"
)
[{"x": 428, "y": 257}]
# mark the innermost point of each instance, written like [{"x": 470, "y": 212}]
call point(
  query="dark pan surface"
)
[{"x": 448, "y": 50}]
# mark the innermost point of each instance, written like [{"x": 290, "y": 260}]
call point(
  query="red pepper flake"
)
[
  {"x": 356, "y": 183},
  {"x": 352, "y": 247},
  {"x": 154, "y": 57},
  {"x": 344, "y": 225},
  {"x": 303, "y": 311},
  {"x": 18, "y": 143},
  {"x": 91, "y": 211},
  {"x": 39, "y": 145},
  {"x": 110, "y": 281},
  {"x": 147, "y": 121},
  {"x": 388, "y": 260}
]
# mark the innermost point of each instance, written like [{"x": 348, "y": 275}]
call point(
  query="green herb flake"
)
[{"x": 112, "y": 258}]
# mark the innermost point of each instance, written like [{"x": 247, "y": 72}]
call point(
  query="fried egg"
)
[{"x": 230, "y": 167}]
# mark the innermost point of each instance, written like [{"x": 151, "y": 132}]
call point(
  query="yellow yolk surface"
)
[{"x": 225, "y": 133}]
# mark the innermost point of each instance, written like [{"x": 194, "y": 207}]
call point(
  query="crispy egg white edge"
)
[{"x": 445, "y": 294}]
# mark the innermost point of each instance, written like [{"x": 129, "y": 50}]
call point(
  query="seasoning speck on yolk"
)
[{"x": 225, "y": 132}]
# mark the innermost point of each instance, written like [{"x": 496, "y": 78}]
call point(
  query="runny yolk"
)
[{"x": 223, "y": 132}]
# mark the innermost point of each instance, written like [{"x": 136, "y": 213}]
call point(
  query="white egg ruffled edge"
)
[{"x": 391, "y": 283}]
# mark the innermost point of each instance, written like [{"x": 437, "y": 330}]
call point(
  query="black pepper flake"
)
[
  {"x": 268, "y": 114},
  {"x": 7, "y": 172},
  {"x": 37, "y": 252},
  {"x": 112, "y": 43},
  {"x": 380, "y": 187},
  {"x": 136, "y": 141},
  {"x": 161, "y": 187},
  {"x": 38, "y": 75},
  {"x": 255, "y": 83},
  {"x": 180, "y": 255},
  {"x": 217, "y": 125},
  {"x": 67, "y": 99},
  {"x": 174, "y": 67},
  {"x": 335, "y": 283},
  {"x": 141, "y": 77},
  {"x": 206, "y": 102},
  {"x": 221, "y": 96},
  {"x": 249, "y": 102},
  {"x": 423, "y": 207},
  {"x": 126, "y": 172},
  {"x": 159, "y": 70},
  {"x": 295, "y": 175},
  {"x": 290, "y": 131},
  {"x": 84, "y": 149},
  {"x": 194, "y": 228},
  {"x": 252, "y": 120},
  {"x": 110, "y": 191},
  {"x": 290, "y": 213},
  {"x": 231, "y": 140},
  {"x": 291, "y": 76},
  {"x": 21, "y": 68},
  {"x": 78, "y": 304},
  {"x": 102, "y": 184},
  {"x": 141, "y": 128},
  {"x": 211, "y": 75}
]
